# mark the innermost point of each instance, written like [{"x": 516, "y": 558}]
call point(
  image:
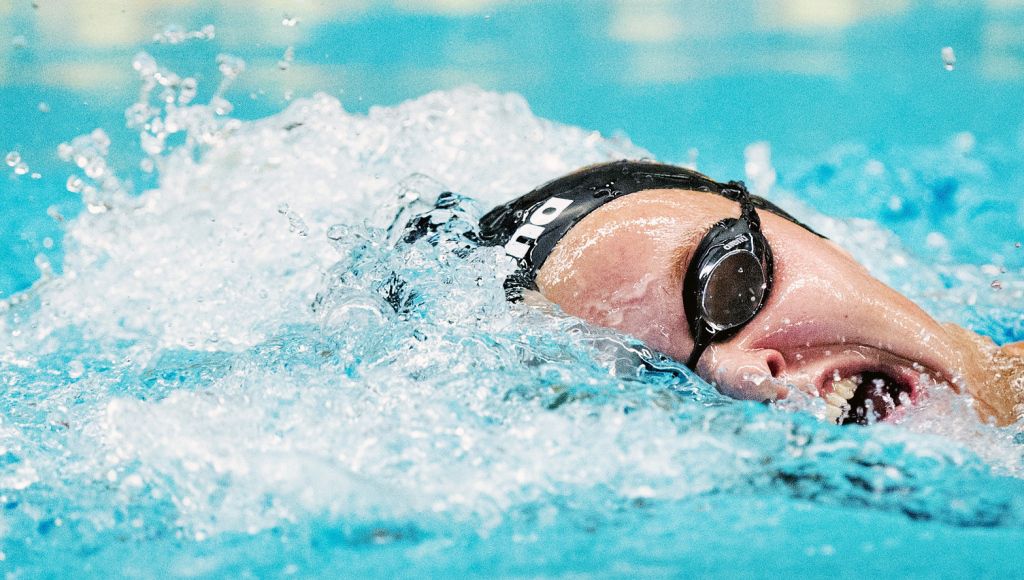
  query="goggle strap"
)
[
  {"x": 703, "y": 339},
  {"x": 747, "y": 210}
]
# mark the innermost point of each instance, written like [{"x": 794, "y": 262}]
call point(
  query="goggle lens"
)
[{"x": 733, "y": 292}]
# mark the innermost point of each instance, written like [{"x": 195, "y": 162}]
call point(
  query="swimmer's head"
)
[
  {"x": 729, "y": 277},
  {"x": 530, "y": 226},
  {"x": 621, "y": 256}
]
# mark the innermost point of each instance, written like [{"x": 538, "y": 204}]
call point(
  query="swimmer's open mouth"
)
[{"x": 866, "y": 397}]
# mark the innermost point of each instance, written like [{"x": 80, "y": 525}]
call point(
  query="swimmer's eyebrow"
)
[{"x": 683, "y": 254}]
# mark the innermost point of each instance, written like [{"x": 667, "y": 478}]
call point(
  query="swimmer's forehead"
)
[{"x": 669, "y": 222}]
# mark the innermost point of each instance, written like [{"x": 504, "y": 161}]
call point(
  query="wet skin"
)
[{"x": 827, "y": 318}]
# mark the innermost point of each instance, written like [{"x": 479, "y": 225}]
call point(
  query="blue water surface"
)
[{"x": 221, "y": 354}]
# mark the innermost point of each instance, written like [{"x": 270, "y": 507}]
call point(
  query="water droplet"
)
[
  {"x": 144, "y": 64},
  {"x": 13, "y": 158},
  {"x": 76, "y": 369},
  {"x": 1016, "y": 245},
  {"x": 286, "y": 60},
  {"x": 100, "y": 140},
  {"x": 990, "y": 270},
  {"x": 176, "y": 34},
  {"x": 187, "y": 90},
  {"x": 289, "y": 21},
  {"x": 95, "y": 168},
  {"x": 948, "y": 57},
  {"x": 43, "y": 107},
  {"x": 936, "y": 240},
  {"x": 21, "y": 168},
  {"x": 221, "y": 106},
  {"x": 19, "y": 42},
  {"x": 337, "y": 232},
  {"x": 230, "y": 66},
  {"x": 997, "y": 285},
  {"x": 297, "y": 225}
]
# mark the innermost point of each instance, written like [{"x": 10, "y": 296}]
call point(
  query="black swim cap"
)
[{"x": 529, "y": 227}]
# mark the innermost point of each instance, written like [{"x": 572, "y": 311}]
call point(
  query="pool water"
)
[{"x": 222, "y": 354}]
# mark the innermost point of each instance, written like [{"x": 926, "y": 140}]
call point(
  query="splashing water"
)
[
  {"x": 948, "y": 58},
  {"x": 292, "y": 357}
]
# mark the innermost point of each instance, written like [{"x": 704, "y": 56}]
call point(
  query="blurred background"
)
[{"x": 691, "y": 81}]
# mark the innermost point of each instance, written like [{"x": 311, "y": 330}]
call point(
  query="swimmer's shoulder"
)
[{"x": 1014, "y": 349}]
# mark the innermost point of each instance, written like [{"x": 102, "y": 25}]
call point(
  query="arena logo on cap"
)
[{"x": 527, "y": 233}]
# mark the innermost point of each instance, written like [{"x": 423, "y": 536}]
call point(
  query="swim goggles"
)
[{"x": 729, "y": 278}]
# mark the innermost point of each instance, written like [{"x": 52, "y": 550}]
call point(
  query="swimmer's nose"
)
[{"x": 744, "y": 373}]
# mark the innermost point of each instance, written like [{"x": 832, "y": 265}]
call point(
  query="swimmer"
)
[{"x": 752, "y": 300}]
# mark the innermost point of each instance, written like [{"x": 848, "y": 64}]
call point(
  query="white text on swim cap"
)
[{"x": 518, "y": 245}]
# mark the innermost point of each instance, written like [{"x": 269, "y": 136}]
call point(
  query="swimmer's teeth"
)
[
  {"x": 832, "y": 413},
  {"x": 835, "y": 400},
  {"x": 837, "y": 403},
  {"x": 845, "y": 388}
]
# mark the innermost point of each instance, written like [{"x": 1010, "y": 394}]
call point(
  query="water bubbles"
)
[
  {"x": 176, "y": 34},
  {"x": 44, "y": 266},
  {"x": 14, "y": 160},
  {"x": 188, "y": 89},
  {"x": 43, "y": 107},
  {"x": 100, "y": 140},
  {"x": 74, "y": 184},
  {"x": 76, "y": 369},
  {"x": 144, "y": 64},
  {"x": 948, "y": 58},
  {"x": 289, "y": 21},
  {"x": 221, "y": 106},
  {"x": 230, "y": 66},
  {"x": 337, "y": 232},
  {"x": 991, "y": 270},
  {"x": 964, "y": 142},
  {"x": 296, "y": 224},
  {"x": 54, "y": 214},
  {"x": 287, "y": 58},
  {"x": 95, "y": 168}
]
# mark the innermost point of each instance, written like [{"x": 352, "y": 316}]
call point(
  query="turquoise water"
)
[{"x": 221, "y": 357}]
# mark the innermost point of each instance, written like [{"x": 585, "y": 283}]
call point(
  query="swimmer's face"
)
[{"x": 827, "y": 327}]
